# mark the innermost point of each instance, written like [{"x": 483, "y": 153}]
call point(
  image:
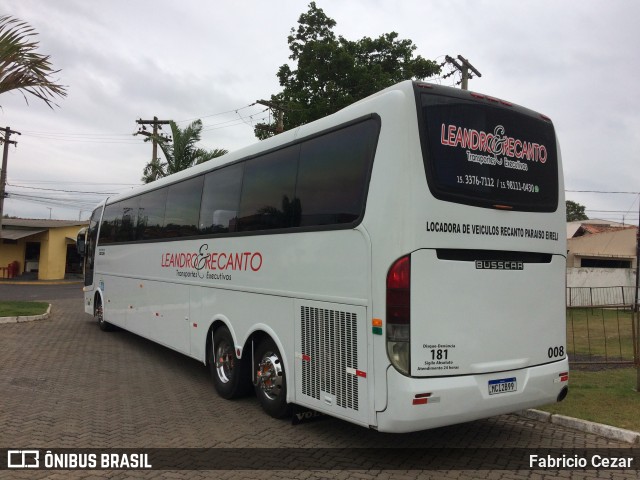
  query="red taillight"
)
[
  {"x": 399, "y": 314},
  {"x": 398, "y": 292},
  {"x": 421, "y": 398}
]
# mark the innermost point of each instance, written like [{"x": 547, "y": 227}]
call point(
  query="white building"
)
[{"x": 602, "y": 254}]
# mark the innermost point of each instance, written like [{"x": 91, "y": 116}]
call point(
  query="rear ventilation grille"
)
[{"x": 330, "y": 355}]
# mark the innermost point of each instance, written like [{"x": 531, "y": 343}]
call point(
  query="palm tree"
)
[
  {"x": 21, "y": 68},
  {"x": 180, "y": 152},
  {"x": 153, "y": 171}
]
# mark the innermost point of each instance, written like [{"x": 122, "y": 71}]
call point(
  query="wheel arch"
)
[
  {"x": 218, "y": 322},
  {"x": 257, "y": 334}
]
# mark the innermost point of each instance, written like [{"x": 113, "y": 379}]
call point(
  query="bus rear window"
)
[{"x": 486, "y": 155}]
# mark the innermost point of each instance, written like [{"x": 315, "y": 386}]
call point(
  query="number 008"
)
[{"x": 555, "y": 352}]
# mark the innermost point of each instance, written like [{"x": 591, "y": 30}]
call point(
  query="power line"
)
[
  {"x": 609, "y": 211},
  {"x": 92, "y": 134},
  {"x": 235, "y": 110},
  {"x": 601, "y": 191},
  {"x": 81, "y": 140},
  {"x": 125, "y": 138},
  {"x": 233, "y": 122},
  {"x": 59, "y": 202},
  {"x": 61, "y": 197},
  {"x": 60, "y": 182},
  {"x": 59, "y": 190}
]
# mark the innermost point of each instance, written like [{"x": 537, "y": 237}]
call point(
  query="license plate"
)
[{"x": 502, "y": 385}]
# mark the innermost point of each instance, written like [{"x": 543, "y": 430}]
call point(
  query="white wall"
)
[
  {"x": 600, "y": 286},
  {"x": 601, "y": 277}
]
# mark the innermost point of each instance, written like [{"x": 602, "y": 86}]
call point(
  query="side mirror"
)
[{"x": 81, "y": 241}]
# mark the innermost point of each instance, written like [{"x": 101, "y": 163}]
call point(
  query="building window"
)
[{"x": 604, "y": 263}]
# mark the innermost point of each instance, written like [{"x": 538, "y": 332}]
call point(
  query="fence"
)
[
  {"x": 600, "y": 296},
  {"x": 602, "y": 326}
]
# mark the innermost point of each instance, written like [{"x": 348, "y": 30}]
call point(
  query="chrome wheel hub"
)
[
  {"x": 224, "y": 362},
  {"x": 269, "y": 376}
]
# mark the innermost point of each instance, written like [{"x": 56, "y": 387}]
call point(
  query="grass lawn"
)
[
  {"x": 605, "y": 396},
  {"x": 597, "y": 392},
  {"x": 599, "y": 334},
  {"x": 19, "y": 309}
]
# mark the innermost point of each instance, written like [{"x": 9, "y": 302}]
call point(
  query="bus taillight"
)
[{"x": 399, "y": 313}]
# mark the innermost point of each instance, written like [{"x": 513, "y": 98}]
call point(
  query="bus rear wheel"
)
[
  {"x": 230, "y": 374},
  {"x": 271, "y": 380}
]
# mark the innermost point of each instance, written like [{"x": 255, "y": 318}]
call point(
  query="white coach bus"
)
[{"x": 399, "y": 264}]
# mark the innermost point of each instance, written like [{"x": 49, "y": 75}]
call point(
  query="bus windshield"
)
[{"x": 488, "y": 153}]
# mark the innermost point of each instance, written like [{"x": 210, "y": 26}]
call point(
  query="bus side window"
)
[
  {"x": 151, "y": 215},
  {"x": 183, "y": 208},
  {"x": 333, "y": 173},
  {"x": 267, "y": 201},
  {"x": 108, "y": 228},
  {"x": 128, "y": 214},
  {"x": 220, "y": 200},
  {"x": 117, "y": 222}
]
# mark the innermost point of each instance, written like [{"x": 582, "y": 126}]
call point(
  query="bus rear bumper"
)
[{"x": 421, "y": 403}]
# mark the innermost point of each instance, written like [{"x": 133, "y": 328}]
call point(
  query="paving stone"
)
[{"x": 66, "y": 384}]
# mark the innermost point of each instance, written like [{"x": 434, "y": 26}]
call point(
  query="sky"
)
[{"x": 576, "y": 61}]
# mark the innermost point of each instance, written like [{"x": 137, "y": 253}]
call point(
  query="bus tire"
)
[
  {"x": 271, "y": 380},
  {"x": 229, "y": 373},
  {"x": 98, "y": 313}
]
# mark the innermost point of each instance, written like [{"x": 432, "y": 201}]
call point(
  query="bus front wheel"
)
[
  {"x": 98, "y": 313},
  {"x": 271, "y": 380}
]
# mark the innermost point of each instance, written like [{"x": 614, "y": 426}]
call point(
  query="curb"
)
[
  {"x": 37, "y": 283},
  {"x": 27, "y": 318},
  {"x": 606, "y": 431}
]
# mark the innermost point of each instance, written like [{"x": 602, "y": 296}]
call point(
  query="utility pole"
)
[
  {"x": 279, "y": 110},
  {"x": 153, "y": 135},
  {"x": 3, "y": 174},
  {"x": 464, "y": 68},
  {"x": 636, "y": 306}
]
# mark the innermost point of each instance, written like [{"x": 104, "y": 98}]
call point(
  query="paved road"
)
[
  {"x": 66, "y": 384},
  {"x": 39, "y": 291}
]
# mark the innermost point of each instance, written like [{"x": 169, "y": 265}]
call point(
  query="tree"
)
[
  {"x": 21, "y": 67},
  {"x": 333, "y": 72},
  {"x": 180, "y": 152},
  {"x": 575, "y": 211}
]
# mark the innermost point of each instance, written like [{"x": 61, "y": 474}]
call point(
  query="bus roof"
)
[{"x": 290, "y": 136}]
